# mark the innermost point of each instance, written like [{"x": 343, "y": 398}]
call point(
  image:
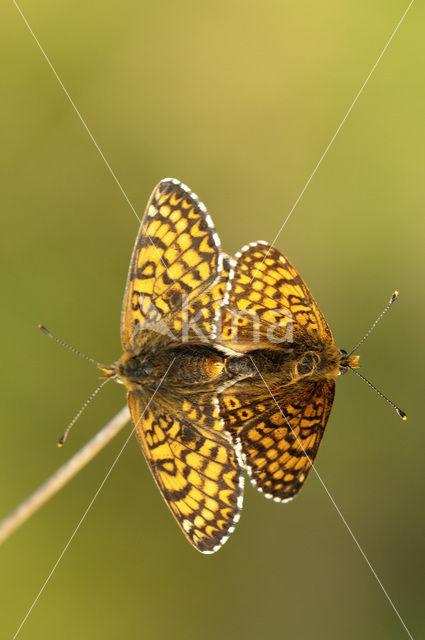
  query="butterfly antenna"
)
[
  {"x": 365, "y": 337},
  {"x": 68, "y": 346},
  {"x": 77, "y": 415},
  {"x": 401, "y": 413}
]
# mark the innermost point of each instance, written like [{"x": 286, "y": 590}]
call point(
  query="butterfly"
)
[
  {"x": 277, "y": 412},
  {"x": 171, "y": 369},
  {"x": 229, "y": 365}
]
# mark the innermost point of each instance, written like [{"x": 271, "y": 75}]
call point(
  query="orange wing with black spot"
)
[
  {"x": 279, "y": 435},
  {"x": 267, "y": 302},
  {"x": 176, "y": 259},
  {"x": 194, "y": 464}
]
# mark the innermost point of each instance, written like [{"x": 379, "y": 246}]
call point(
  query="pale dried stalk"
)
[{"x": 63, "y": 475}]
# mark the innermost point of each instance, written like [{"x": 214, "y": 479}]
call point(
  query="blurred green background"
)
[{"x": 238, "y": 100}]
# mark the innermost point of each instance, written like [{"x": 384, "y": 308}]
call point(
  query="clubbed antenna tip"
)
[
  {"x": 109, "y": 374},
  {"x": 77, "y": 415},
  {"x": 68, "y": 346},
  {"x": 393, "y": 298},
  {"x": 401, "y": 413}
]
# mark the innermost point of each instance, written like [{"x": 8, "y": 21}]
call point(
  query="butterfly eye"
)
[{"x": 343, "y": 366}]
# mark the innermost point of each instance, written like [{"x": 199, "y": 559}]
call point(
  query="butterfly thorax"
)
[
  {"x": 194, "y": 365},
  {"x": 291, "y": 362}
]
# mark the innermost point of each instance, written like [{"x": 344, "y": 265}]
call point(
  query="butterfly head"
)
[
  {"x": 132, "y": 369},
  {"x": 347, "y": 362}
]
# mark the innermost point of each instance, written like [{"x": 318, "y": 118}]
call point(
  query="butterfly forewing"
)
[
  {"x": 176, "y": 258},
  {"x": 196, "y": 468},
  {"x": 201, "y": 317},
  {"x": 267, "y": 302}
]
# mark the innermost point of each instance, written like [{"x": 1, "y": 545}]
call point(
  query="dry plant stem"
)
[{"x": 63, "y": 475}]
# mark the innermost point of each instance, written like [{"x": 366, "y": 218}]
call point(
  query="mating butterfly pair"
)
[{"x": 229, "y": 366}]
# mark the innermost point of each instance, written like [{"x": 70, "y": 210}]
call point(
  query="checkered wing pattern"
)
[
  {"x": 267, "y": 302},
  {"x": 194, "y": 463},
  {"x": 201, "y": 317},
  {"x": 176, "y": 259},
  {"x": 279, "y": 435}
]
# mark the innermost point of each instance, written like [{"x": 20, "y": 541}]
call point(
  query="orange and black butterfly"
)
[
  {"x": 277, "y": 412},
  {"x": 175, "y": 283},
  {"x": 228, "y": 364}
]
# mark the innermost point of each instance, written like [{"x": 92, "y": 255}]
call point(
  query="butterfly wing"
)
[
  {"x": 194, "y": 464},
  {"x": 267, "y": 302},
  {"x": 176, "y": 258},
  {"x": 279, "y": 435},
  {"x": 201, "y": 317}
]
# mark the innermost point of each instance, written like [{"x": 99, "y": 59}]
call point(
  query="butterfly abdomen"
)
[
  {"x": 187, "y": 365},
  {"x": 196, "y": 364}
]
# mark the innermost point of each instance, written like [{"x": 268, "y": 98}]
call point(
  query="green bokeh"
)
[{"x": 238, "y": 100}]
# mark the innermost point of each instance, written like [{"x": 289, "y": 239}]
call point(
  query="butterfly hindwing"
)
[
  {"x": 279, "y": 434},
  {"x": 176, "y": 258},
  {"x": 194, "y": 464}
]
